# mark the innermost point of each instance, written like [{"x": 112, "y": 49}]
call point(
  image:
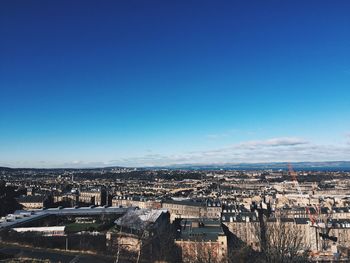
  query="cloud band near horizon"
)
[{"x": 281, "y": 149}]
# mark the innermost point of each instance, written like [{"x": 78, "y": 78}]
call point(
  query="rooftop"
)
[
  {"x": 31, "y": 199},
  {"x": 140, "y": 218},
  {"x": 200, "y": 230}
]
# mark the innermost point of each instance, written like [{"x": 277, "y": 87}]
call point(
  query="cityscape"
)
[
  {"x": 174, "y": 131},
  {"x": 169, "y": 215}
]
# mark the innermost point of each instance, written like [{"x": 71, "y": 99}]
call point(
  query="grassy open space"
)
[{"x": 77, "y": 227}]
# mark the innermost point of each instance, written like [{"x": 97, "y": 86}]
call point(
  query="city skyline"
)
[{"x": 161, "y": 83}]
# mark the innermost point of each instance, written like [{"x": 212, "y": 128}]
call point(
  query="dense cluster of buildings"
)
[{"x": 209, "y": 216}]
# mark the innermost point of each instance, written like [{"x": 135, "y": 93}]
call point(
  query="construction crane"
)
[
  {"x": 321, "y": 223},
  {"x": 293, "y": 174}
]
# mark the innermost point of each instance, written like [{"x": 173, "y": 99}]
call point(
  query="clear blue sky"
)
[{"x": 94, "y": 83}]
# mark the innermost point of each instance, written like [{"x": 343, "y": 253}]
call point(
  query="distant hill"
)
[
  {"x": 303, "y": 166},
  {"x": 322, "y": 166},
  {"x": 67, "y": 168},
  {"x": 5, "y": 168}
]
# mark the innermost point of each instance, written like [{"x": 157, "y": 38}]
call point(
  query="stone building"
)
[
  {"x": 139, "y": 231},
  {"x": 244, "y": 226},
  {"x": 202, "y": 239},
  {"x": 93, "y": 196},
  {"x": 193, "y": 209},
  {"x": 136, "y": 201},
  {"x": 31, "y": 201},
  {"x": 70, "y": 197}
]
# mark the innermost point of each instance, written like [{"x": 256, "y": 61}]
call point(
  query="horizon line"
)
[{"x": 173, "y": 165}]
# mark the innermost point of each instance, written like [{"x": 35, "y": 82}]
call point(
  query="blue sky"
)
[{"x": 91, "y": 83}]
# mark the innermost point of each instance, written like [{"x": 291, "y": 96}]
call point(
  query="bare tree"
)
[
  {"x": 200, "y": 251},
  {"x": 165, "y": 249},
  {"x": 244, "y": 254},
  {"x": 281, "y": 242}
]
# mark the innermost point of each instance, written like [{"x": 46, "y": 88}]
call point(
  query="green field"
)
[{"x": 77, "y": 227}]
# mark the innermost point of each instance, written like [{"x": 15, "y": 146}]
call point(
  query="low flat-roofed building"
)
[{"x": 45, "y": 231}]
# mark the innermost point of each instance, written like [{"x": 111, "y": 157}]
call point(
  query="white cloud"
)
[
  {"x": 274, "y": 142},
  {"x": 271, "y": 150},
  {"x": 281, "y": 149}
]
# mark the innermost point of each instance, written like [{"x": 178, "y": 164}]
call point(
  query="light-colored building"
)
[
  {"x": 136, "y": 201},
  {"x": 192, "y": 209},
  {"x": 31, "y": 201},
  {"x": 93, "y": 196},
  {"x": 45, "y": 231},
  {"x": 244, "y": 226}
]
